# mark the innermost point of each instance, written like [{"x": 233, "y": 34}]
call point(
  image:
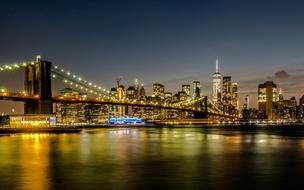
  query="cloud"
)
[
  {"x": 269, "y": 78},
  {"x": 281, "y": 75}
]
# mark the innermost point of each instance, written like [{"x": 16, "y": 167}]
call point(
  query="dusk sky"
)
[{"x": 167, "y": 41}]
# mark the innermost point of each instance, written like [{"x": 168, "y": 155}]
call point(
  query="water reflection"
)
[
  {"x": 150, "y": 158},
  {"x": 34, "y": 159}
]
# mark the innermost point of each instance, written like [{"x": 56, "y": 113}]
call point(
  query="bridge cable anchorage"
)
[{"x": 78, "y": 82}]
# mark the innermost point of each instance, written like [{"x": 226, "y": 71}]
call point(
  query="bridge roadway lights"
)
[{"x": 38, "y": 81}]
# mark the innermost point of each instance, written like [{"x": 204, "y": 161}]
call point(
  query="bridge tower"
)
[
  {"x": 202, "y": 105},
  {"x": 38, "y": 82}
]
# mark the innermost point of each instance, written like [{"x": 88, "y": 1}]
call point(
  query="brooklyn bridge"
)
[{"x": 38, "y": 99}]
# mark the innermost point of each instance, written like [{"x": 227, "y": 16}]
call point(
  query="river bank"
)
[{"x": 6, "y": 130}]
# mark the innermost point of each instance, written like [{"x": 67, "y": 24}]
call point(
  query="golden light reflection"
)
[
  {"x": 34, "y": 156},
  {"x": 120, "y": 132},
  {"x": 35, "y": 136},
  {"x": 233, "y": 139}
]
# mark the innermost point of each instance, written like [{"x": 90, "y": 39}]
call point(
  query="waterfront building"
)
[
  {"x": 32, "y": 120},
  {"x": 253, "y": 113},
  {"x": 216, "y": 84},
  {"x": 196, "y": 89},
  {"x": 267, "y": 96},
  {"x": 285, "y": 109},
  {"x": 70, "y": 112},
  {"x": 96, "y": 113}
]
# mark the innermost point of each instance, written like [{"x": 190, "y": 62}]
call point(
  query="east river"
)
[{"x": 153, "y": 158}]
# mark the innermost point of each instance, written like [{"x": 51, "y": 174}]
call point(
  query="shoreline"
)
[
  {"x": 284, "y": 127},
  {"x": 8, "y": 130}
]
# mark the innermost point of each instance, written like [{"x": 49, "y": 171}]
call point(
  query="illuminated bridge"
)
[{"x": 38, "y": 99}]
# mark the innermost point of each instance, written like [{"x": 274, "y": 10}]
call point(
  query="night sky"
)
[{"x": 171, "y": 42}]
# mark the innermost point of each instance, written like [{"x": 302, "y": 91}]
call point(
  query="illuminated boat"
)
[{"x": 125, "y": 120}]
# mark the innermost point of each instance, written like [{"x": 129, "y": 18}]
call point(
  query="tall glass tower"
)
[{"x": 216, "y": 84}]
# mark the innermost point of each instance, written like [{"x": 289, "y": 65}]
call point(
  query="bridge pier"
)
[{"x": 38, "y": 82}]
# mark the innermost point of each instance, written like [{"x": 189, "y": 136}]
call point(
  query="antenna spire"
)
[{"x": 216, "y": 66}]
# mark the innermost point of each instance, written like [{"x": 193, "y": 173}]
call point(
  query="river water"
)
[{"x": 153, "y": 158}]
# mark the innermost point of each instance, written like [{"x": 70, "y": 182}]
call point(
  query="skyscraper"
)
[
  {"x": 113, "y": 93},
  {"x": 281, "y": 97},
  {"x": 182, "y": 96},
  {"x": 247, "y": 102},
  {"x": 142, "y": 93},
  {"x": 227, "y": 95},
  {"x": 301, "y": 101},
  {"x": 159, "y": 90},
  {"x": 267, "y": 94},
  {"x": 120, "y": 93},
  {"x": 136, "y": 89},
  {"x": 131, "y": 93},
  {"x": 121, "y": 97},
  {"x": 186, "y": 88},
  {"x": 216, "y": 84},
  {"x": 168, "y": 97},
  {"x": 234, "y": 95},
  {"x": 196, "y": 89}
]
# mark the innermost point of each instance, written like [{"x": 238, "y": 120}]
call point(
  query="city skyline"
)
[
  {"x": 138, "y": 39},
  {"x": 205, "y": 89},
  {"x": 151, "y": 94},
  {"x": 97, "y": 104}
]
